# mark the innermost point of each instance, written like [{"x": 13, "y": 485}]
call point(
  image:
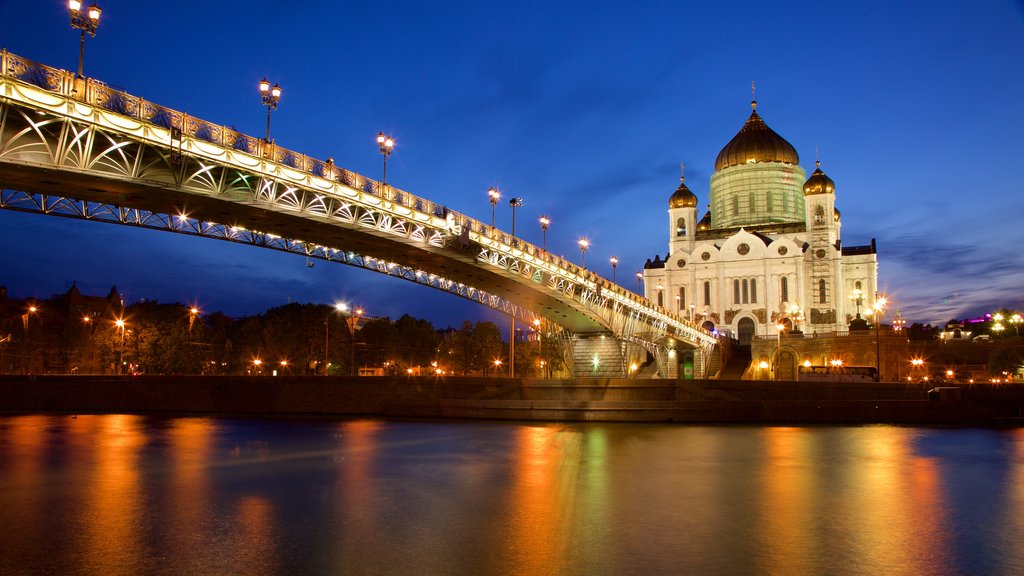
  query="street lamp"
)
[
  {"x": 497, "y": 367},
  {"x": 87, "y": 22},
  {"x": 271, "y": 96},
  {"x": 24, "y": 345},
  {"x": 615, "y": 263},
  {"x": 1016, "y": 321},
  {"x": 796, "y": 315},
  {"x": 640, "y": 283},
  {"x": 352, "y": 321},
  {"x": 778, "y": 347},
  {"x": 857, "y": 296},
  {"x": 544, "y": 223},
  {"x": 584, "y": 244},
  {"x": 514, "y": 203},
  {"x": 338, "y": 307},
  {"x": 879, "y": 311},
  {"x": 385, "y": 144},
  {"x": 494, "y": 195},
  {"x": 120, "y": 360}
]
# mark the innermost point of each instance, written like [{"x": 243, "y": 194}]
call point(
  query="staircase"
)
[
  {"x": 608, "y": 354},
  {"x": 737, "y": 365}
]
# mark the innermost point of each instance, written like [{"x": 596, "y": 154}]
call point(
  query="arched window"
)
[
  {"x": 661, "y": 298},
  {"x": 768, "y": 201},
  {"x": 753, "y": 291},
  {"x": 681, "y": 227},
  {"x": 821, "y": 292},
  {"x": 857, "y": 285},
  {"x": 746, "y": 291},
  {"x": 735, "y": 205},
  {"x": 819, "y": 215},
  {"x": 750, "y": 202},
  {"x": 682, "y": 298},
  {"x": 784, "y": 289},
  {"x": 736, "y": 291},
  {"x": 707, "y": 293}
]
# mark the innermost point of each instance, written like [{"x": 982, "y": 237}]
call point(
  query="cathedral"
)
[{"x": 767, "y": 254}]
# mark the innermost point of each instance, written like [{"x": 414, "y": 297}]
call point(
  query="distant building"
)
[{"x": 767, "y": 251}]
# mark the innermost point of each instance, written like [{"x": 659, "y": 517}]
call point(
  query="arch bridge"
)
[{"x": 79, "y": 149}]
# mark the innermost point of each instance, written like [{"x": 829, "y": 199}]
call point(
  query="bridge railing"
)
[{"x": 181, "y": 125}]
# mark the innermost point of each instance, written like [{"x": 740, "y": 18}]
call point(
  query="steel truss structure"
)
[{"x": 78, "y": 149}]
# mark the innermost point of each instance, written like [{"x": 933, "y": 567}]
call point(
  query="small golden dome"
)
[
  {"x": 836, "y": 210},
  {"x": 818, "y": 183},
  {"x": 756, "y": 142},
  {"x": 705, "y": 222},
  {"x": 682, "y": 198}
]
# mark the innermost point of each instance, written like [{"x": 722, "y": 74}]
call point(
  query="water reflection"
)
[{"x": 121, "y": 494}]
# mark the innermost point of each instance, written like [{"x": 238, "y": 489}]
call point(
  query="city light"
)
[
  {"x": 544, "y": 223},
  {"x": 87, "y": 22},
  {"x": 584, "y": 244},
  {"x": 493, "y": 194},
  {"x": 270, "y": 97},
  {"x": 385, "y": 144}
]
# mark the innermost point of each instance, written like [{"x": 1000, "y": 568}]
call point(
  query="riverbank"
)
[{"x": 606, "y": 400}]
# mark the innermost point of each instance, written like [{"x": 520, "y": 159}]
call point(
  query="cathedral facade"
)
[{"x": 767, "y": 253}]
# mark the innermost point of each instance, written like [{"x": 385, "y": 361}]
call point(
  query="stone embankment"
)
[{"x": 606, "y": 400}]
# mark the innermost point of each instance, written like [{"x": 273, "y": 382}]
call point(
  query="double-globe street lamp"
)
[
  {"x": 385, "y": 144},
  {"x": 87, "y": 21},
  {"x": 270, "y": 96},
  {"x": 493, "y": 194},
  {"x": 584, "y": 244},
  {"x": 514, "y": 203}
]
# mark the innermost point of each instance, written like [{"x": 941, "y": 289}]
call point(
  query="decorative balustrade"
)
[{"x": 100, "y": 94}]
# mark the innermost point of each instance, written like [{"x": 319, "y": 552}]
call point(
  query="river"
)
[{"x": 121, "y": 494}]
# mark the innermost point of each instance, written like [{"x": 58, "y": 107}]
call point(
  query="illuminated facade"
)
[{"x": 768, "y": 250}]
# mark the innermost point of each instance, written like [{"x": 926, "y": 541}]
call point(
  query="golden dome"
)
[
  {"x": 682, "y": 198},
  {"x": 705, "y": 222},
  {"x": 836, "y": 211},
  {"x": 756, "y": 142},
  {"x": 818, "y": 183}
]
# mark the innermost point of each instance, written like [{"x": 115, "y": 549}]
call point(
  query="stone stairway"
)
[{"x": 608, "y": 354}]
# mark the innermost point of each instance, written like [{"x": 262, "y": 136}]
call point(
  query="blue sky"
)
[{"x": 584, "y": 110}]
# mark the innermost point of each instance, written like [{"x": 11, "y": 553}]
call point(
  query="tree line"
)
[{"x": 293, "y": 339}]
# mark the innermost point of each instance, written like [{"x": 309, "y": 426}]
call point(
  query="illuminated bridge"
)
[{"x": 80, "y": 149}]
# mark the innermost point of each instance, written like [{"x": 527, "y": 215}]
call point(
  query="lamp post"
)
[
  {"x": 615, "y": 263},
  {"x": 87, "y": 22},
  {"x": 24, "y": 345},
  {"x": 640, "y": 283},
  {"x": 584, "y": 244},
  {"x": 879, "y": 310},
  {"x": 270, "y": 96},
  {"x": 353, "y": 323},
  {"x": 338, "y": 307},
  {"x": 514, "y": 203},
  {"x": 780, "y": 327},
  {"x": 494, "y": 195},
  {"x": 544, "y": 223},
  {"x": 120, "y": 359},
  {"x": 1016, "y": 321},
  {"x": 385, "y": 144},
  {"x": 193, "y": 313},
  {"x": 796, "y": 315},
  {"x": 857, "y": 296}
]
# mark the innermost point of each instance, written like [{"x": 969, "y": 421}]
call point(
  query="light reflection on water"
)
[{"x": 122, "y": 494}]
